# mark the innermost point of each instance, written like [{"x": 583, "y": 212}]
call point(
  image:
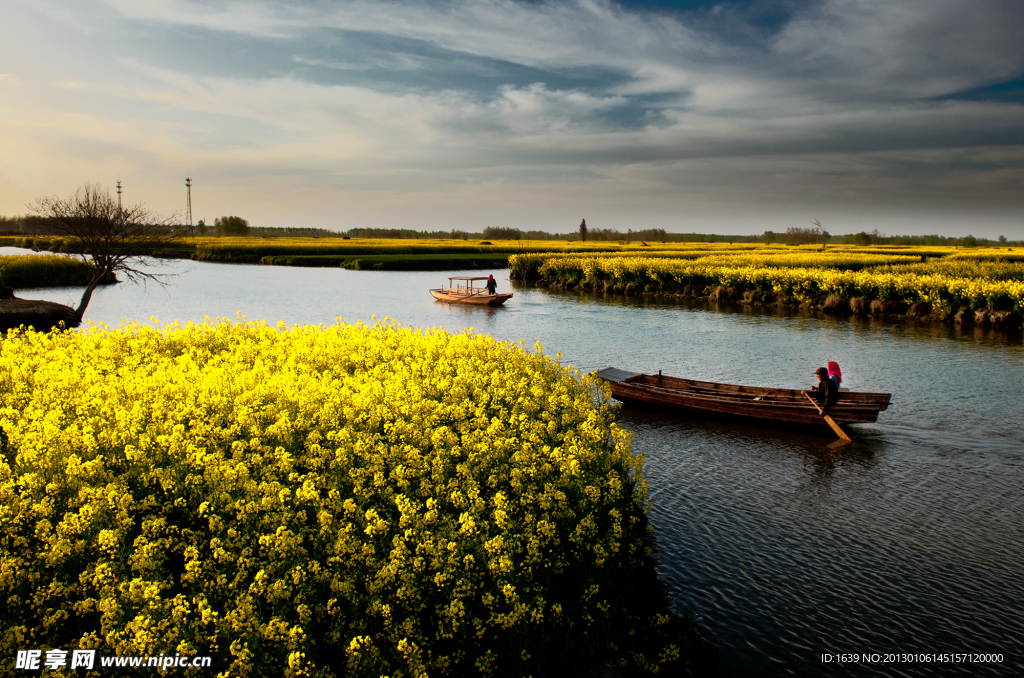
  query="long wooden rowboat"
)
[
  {"x": 782, "y": 405},
  {"x": 468, "y": 293}
]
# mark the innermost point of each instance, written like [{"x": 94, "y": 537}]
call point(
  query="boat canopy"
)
[{"x": 466, "y": 277}]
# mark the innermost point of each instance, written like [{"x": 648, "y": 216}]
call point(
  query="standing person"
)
[
  {"x": 492, "y": 284},
  {"x": 827, "y": 392},
  {"x": 834, "y": 374}
]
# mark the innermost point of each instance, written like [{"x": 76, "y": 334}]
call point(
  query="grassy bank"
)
[
  {"x": 43, "y": 270},
  {"x": 214, "y": 249},
  {"x": 341, "y": 501},
  {"x": 396, "y": 262},
  {"x": 945, "y": 283},
  {"x": 331, "y": 251}
]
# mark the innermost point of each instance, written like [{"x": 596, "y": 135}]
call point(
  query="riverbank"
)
[
  {"x": 396, "y": 262},
  {"x": 33, "y": 271},
  {"x": 972, "y": 286},
  {"x": 359, "y": 257},
  {"x": 832, "y": 304},
  {"x": 41, "y": 316},
  {"x": 43, "y": 270},
  {"x": 977, "y": 286},
  {"x": 254, "y": 248}
]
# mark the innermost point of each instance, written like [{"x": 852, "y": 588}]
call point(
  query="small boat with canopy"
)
[{"x": 463, "y": 290}]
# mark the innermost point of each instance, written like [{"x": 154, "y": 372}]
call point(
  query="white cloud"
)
[{"x": 255, "y": 18}]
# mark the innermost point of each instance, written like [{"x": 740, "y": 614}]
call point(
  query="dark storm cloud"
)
[
  {"x": 839, "y": 57},
  {"x": 852, "y": 72},
  {"x": 331, "y": 56}
]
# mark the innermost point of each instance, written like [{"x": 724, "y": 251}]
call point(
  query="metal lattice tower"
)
[
  {"x": 188, "y": 203},
  {"x": 118, "y": 195}
]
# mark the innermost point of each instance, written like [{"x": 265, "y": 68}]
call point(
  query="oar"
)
[{"x": 828, "y": 420}]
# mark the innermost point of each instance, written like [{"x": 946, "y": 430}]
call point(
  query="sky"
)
[{"x": 905, "y": 116}]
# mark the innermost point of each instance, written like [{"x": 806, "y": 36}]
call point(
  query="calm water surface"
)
[{"x": 910, "y": 540}]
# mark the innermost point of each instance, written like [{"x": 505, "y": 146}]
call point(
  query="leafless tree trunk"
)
[{"x": 114, "y": 237}]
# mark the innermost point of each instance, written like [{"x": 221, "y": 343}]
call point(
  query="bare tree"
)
[{"x": 115, "y": 237}]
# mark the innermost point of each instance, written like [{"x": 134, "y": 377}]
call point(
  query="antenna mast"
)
[
  {"x": 118, "y": 195},
  {"x": 188, "y": 204}
]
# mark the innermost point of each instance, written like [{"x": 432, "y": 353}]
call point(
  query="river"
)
[{"x": 910, "y": 541}]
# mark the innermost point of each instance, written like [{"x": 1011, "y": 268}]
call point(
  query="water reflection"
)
[{"x": 790, "y": 546}]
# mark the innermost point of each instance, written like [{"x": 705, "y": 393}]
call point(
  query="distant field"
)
[
  {"x": 355, "y": 253},
  {"x": 261, "y": 247},
  {"x": 395, "y": 262}
]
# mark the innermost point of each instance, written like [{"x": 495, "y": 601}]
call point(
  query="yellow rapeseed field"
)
[
  {"x": 314, "y": 501},
  {"x": 38, "y": 270},
  {"x": 943, "y": 277}
]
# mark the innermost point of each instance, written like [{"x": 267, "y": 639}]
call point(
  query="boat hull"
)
[
  {"x": 789, "y": 406},
  {"x": 471, "y": 299}
]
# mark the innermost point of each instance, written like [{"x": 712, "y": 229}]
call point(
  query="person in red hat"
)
[
  {"x": 492, "y": 284},
  {"x": 834, "y": 374}
]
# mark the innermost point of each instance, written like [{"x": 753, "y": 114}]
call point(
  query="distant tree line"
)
[
  {"x": 28, "y": 225},
  {"x": 235, "y": 226},
  {"x": 802, "y": 236},
  {"x": 584, "y": 232},
  {"x": 292, "y": 232},
  {"x": 31, "y": 224},
  {"x": 876, "y": 238}
]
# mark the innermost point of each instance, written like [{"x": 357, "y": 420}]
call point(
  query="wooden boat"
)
[
  {"x": 468, "y": 293},
  {"x": 783, "y": 405}
]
